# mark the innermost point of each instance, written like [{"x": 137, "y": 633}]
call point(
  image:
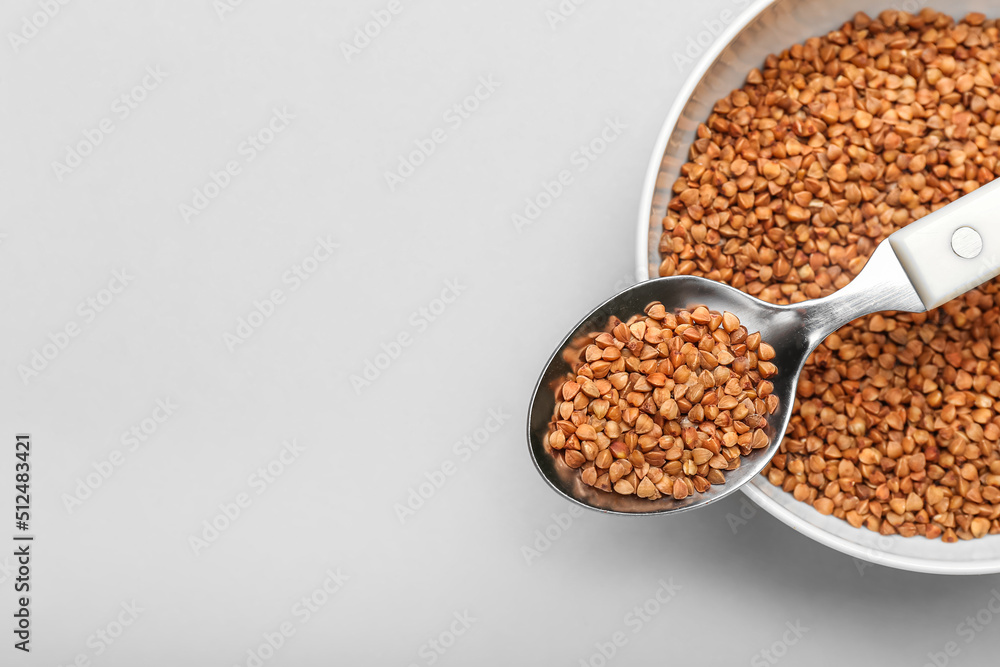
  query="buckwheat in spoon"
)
[{"x": 677, "y": 391}]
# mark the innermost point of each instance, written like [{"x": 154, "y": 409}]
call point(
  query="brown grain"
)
[
  {"x": 682, "y": 399},
  {"x": 793, "y": 180}
]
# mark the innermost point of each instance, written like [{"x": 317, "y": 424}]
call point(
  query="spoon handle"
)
[{"x": 954, "y": 249}]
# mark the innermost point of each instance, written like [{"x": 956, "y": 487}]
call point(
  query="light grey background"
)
[{"x": 740, "y": 583}]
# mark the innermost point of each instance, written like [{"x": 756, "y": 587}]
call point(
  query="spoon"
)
[{"x": 918, "y": 268}]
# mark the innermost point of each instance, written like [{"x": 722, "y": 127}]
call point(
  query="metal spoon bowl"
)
[{"x": 773, "y": 322}]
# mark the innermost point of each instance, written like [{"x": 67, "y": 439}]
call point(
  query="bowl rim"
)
[
  {"x": 875, "y": 556},
  {"x": 753, "y": 490}
]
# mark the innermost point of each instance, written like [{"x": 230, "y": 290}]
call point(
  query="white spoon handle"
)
[{"x": 956, "y": 248}]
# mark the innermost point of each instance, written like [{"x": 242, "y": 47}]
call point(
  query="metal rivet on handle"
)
[{"x": 966, "y": 242}]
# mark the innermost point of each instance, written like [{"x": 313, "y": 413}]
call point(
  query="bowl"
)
[{"x": 746, "y": 40}]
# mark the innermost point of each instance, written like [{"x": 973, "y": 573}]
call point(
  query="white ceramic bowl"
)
[{"x": 763, "y": 28}]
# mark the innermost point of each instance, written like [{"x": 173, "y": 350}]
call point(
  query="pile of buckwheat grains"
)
[
  {"x": 792, "y": 181},
  {"x": 665, "y": 403}
]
